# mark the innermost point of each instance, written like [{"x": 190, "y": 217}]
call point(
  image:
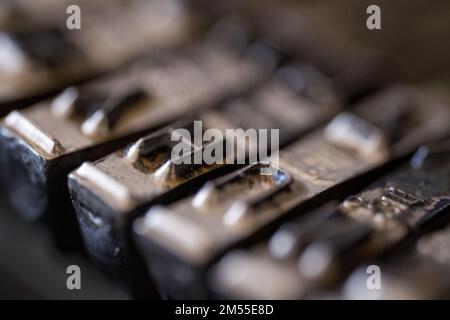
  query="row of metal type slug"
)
[
  {"x": 88, "y": 121},
  {"x": 175, "y": 230},
  {"x": 326, "y": 253},
  {"x": 182, "y": 241}
]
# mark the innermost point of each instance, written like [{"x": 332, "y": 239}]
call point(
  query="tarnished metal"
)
[
  {"x": 350, "y": 145},
  {"x": 144, "y": 173},
  {"x": 43, "y": 143},
  {"x": 318, "y": 249}
]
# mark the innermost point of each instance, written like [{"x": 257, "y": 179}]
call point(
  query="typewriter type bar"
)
[
  {"x": 420, "y": 274},
  {"x": 408, "y": 203},
  {"x": 143, "y": 174},
  {"x": 316, "y": 250},
  {"x": 110, "y": 192},
  {"x": 325, "y": 161},
  {"x": 43, "y": 143},
  {"x": 301, "y": 254},
  {"x": 39, "y": 55},
  {"x": 407, "y": 200},
  {"x": 296, "y": 100}
]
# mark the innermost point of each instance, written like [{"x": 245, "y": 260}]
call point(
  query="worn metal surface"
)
[
  {"x": 310, "y": 253},
  {"x": 349, "y": 146},
  {"x": 113, "y": 191}
]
